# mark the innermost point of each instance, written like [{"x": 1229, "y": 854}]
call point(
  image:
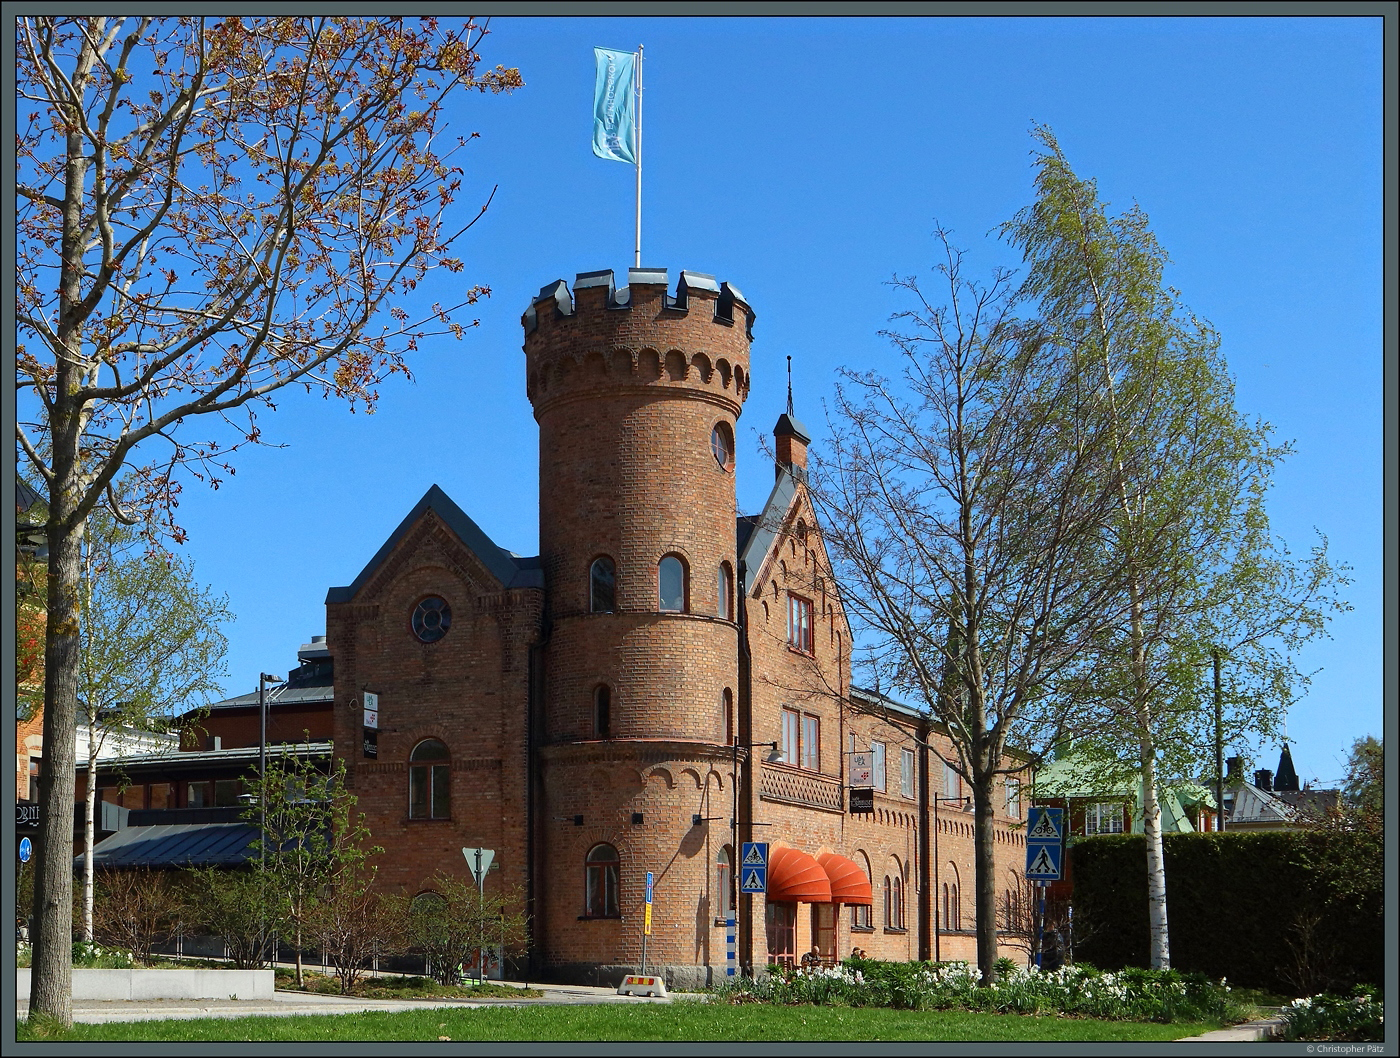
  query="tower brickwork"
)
[{"x": 637, "y": 392}]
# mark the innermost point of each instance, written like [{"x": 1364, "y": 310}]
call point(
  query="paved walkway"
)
[
  {"x": 1249, "y": 1032},
  {"x": 92, "y": 1012}
]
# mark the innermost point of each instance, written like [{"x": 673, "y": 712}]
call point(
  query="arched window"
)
[
  {"x": 602, "y": 711},
  {"x": 600, "y": 882},
  {"x": 947, "y": 907},
  {"x": 889, "y": 902},
  {"x": 430, "y": 781},
  {"x": 724, "y": 882},
  {"x": 724, "y": 608},
  {"x": 722, "y": 445},
  {"x": 897, "y": 892},
  {"x": 671, "y": 582},
  {"x": 602, "y": 586}
]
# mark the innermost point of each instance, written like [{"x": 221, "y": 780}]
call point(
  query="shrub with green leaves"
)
[
  {"x": 1079, "y": 991},
  {"x": 1359, "y": 1017}
]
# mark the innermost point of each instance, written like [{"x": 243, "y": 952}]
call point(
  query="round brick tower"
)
[{"x": 636, "y": 392}]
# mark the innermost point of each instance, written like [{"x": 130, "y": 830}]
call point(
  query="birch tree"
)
[
  {"x": 210, "y": 210},
  {"x": 962, "y": 507},
  {"x": 152, "y": 646},
  {"x": 1189, "y": 528}
]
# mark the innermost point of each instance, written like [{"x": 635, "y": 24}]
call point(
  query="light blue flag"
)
[{"x": 615, "y": 106}]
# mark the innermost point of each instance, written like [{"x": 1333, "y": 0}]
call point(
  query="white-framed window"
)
[
  {"x": 1013, "y": 797},
  {"x": 792, "y": 721},
  {"x": 800, "y": 623},
  {"x": 1103, "y": 819},
  {"x": 724, "y": 881},
  {"x": 952, "y": 781},
  {"x": 811, "y": 742},
  {"x": 906, "y": 773},
  {"x": 877, "y": 759}
]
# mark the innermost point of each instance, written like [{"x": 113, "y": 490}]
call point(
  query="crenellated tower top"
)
[{"x": 598, "y": 337}]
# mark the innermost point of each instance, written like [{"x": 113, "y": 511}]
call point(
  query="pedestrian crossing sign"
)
[
  {"x": 754, "y": 880},
  {"x": 1043, "y": 862}
]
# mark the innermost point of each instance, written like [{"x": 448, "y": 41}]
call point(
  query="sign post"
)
[
  {"x": 1045, "y": 854},
  {"x": 479, "y": 862},
  {"x": 646, "y": 922}
]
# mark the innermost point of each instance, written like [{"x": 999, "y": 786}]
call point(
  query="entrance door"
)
[
  {"x": 782, "y": 933},
  {"x": 824, "y": 932}
]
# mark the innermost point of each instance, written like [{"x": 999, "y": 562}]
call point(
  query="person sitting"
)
[{"x": 812, "y": 959}]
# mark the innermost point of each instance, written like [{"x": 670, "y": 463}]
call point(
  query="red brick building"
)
[{"x": 582, "y": 712}]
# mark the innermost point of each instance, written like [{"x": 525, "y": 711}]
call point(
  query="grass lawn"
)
[{"x": 678, "y": 1021}]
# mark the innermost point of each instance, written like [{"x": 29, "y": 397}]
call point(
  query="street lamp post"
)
[
  {"x": 263, "y": 680},
  {"x": 775, "y": 756},
  {"x": 937, "y": 945}
]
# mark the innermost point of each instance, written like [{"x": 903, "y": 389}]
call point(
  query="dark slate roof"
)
[
  {"x": 1287, "y": 780},
  {"x": 282, "y": 695},
  {"x": 788, "y": 426},
  {"x": 177, "y": 845},
  {"x": 511, "y": 570},
  {"x": 754, "y": 549}
]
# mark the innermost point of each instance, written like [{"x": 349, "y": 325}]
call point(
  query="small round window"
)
[
  {"x": 722, "y": 445},
  {"x": 431, "y": 619}
]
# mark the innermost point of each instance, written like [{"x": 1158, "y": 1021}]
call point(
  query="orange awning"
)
[
  {"x": 793, "y": 875},
  {"x": 849, "y": 885}
]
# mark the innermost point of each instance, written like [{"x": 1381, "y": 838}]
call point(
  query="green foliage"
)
[
  {"x": 1263, "y": 909},
  {"x": 1364, "y": 788},
  {"x": 236, "y": 906},
  {"x": 1359, "y": 1017},
  {"x": 1078, "y": 991},
  {"x": 312, "y": 848},
  {"x": 453, "y": 922}
]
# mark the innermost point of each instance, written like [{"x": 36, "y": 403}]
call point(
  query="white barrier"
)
[{"x": 192, "y": 983}]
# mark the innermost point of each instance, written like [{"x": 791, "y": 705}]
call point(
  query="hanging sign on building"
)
[
  {"x": 862, "y": 768},
  {"x": 862, "y": 801},
  {"x": 371, "y": 739}
]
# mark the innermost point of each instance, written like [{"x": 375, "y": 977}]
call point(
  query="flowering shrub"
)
[
  {"x": 1079, "y": 990},
  {"x": 1359, "y": 1018},
  {"x": 88, "y": 955}
]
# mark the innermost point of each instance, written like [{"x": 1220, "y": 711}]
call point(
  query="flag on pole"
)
[{"x": 615, "y": 106}]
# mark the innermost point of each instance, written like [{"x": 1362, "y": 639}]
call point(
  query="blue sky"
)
[{"x": 807, "y": 161}]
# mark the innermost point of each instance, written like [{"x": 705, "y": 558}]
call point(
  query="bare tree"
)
[
  {"x": 209, "y": 210},
  {"x": 962, "y": 507}
]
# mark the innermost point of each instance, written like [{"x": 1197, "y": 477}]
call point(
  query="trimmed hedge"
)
[{"x": 1275, "y": 910}]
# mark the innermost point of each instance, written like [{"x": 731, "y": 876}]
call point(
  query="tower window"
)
[
  {"x": 722, "y": 445},
  {"x": 602, "y": 586},
  {"x": 601, "y": 882},
  {"x": 429, "y": 781},
  {"x": 671, "y": 580},
  {"x": 602, "y": 711},
  {"x": 725, "y": 607},
  {"x": 431, "y": 619}
]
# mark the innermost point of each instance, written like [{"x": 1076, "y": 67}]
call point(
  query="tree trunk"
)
[
  {"x": 51, "y": 981},
  {"x": 984, "y": 856},
  {"x": 1156, "y": 862}
]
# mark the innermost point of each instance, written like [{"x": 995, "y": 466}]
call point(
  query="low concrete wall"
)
[{"x": 162, "y": 984}]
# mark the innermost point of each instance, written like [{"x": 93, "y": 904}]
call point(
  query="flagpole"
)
[{"x": 638, "y": 152}]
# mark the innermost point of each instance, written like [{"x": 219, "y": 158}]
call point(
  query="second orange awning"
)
[
  {"x": 849, "y": 884},
  {"x": 793, "y": 875}
]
